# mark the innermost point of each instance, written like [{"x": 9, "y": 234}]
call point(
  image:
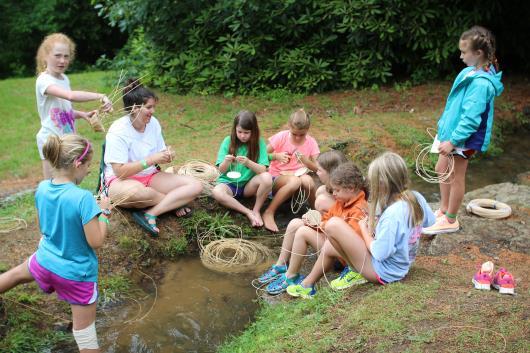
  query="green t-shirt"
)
[{"x": 246, "y": 173}]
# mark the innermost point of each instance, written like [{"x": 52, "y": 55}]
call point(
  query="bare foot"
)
[
  {"x": 269, "y": 223},
  {"x": 252, "y": 218},
  {"x": 258, "y": 218},
  {"x": 183, "y": 211}
]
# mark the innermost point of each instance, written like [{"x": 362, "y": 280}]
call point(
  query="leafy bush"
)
[
  {"x": 244, "y": 46},
  {"x": 25, "y": 23}
]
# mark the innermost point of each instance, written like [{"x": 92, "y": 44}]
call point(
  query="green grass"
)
[
  {"x": 193, "y": 125},
  {"x": 418, "y": 315},
  {"x": 113, "y": 287},
  {"x": 22, "y": 330},
  {"x": 289, "y": 327},
  {"x": 408, "y": 317},
  {"x": 20, "y": 207}
]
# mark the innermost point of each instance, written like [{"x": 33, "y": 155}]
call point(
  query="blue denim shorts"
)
[{"x": 237, "y": 189}]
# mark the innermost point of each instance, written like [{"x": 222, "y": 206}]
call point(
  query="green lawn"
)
[{"x": 193, "y": 125}]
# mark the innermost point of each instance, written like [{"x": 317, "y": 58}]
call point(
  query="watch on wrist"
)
[{"x": 106, "y": 212}]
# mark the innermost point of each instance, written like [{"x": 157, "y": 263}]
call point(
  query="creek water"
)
[{"x": 197, "y": 309}]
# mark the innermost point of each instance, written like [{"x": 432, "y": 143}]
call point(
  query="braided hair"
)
[{"x": 481, "y": 38}]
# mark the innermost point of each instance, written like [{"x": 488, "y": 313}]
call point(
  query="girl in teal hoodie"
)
[{"x": 465, "y": 125}]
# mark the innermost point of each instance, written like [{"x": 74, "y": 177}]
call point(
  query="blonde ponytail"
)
[{"x": 66, "y": 151}]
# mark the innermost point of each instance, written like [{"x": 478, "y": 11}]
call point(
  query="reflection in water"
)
[
  {"x": 490, "y": 170},
  {"x": 195, "y": 311}
]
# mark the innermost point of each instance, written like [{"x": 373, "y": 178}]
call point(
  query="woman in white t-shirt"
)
[
  {"x": 54, "y": 95},
  {"x": 134, "y": 149}
]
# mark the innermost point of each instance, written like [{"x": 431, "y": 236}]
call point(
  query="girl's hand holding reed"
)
[
  {"x": 282, "y": 157},
  {"x": 445, "y": 148},
  {"x": 363, "y": 224},
  {"x": 86, "y": 115},
  {"x": 242, "y": 160},
  {"x": 106, "y": 104},
  {"x": 161, "y": 157},
  {"x": 229, "y": 158},
  {"x": 170, "y": 153},
  {"x": 104, "y": 203},
  {"x": 301, "y": 157}
]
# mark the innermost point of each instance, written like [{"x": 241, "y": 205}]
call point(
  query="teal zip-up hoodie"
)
[{"x": 468, "y": 115}]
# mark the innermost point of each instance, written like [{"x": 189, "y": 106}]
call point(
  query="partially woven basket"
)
[
  {"x": 313, "y": 218},
  {"x": 95, "y": 122}
]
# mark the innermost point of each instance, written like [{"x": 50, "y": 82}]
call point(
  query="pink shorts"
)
[
  {"x": 144, "y": 179},
  {"x": 73, "y": 292}
]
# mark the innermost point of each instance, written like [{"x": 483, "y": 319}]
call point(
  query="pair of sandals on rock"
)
[{"x": 148, "y": 221}]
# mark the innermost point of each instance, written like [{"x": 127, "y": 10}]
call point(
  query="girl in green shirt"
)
[{"x": 242, "y": 160}]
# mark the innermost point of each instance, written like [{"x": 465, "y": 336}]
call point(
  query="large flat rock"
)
[{"x": 490, "y": 235}]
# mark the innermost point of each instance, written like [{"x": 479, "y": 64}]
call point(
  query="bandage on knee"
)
[{"x": 87, "y": 337}]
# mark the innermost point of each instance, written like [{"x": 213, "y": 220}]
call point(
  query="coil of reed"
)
[{"x": 488, "y": 208}]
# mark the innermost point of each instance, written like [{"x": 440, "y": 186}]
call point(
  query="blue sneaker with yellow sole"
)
[{"x": 282, "y": 282}]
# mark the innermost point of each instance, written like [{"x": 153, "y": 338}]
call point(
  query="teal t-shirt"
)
[
  {"x": 246, "y": 173},
  {"x": 63, "y": 211}
]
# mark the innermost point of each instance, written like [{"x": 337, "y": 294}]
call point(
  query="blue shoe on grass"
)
[{"x": 282, "y": 282}]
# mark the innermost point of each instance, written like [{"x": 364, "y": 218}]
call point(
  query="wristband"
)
[
  {"x": 144, "y": 164},
  {"x": 270, "y": 156},
  {"x": 104, "y": 219}
]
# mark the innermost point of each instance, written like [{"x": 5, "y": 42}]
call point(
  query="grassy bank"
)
[
  {"x": 416, "y": 315},
  {"x": 434, "y": 310}
]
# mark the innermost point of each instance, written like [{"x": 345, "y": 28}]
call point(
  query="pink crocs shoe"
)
[
  {"x": 503, "y": 281},
  {"x": 484, "y": 276}
]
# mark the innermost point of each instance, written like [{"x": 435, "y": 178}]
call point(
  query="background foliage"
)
[
  {"x": 242, "y": 46},
  {"x": 24, "y": 23}
]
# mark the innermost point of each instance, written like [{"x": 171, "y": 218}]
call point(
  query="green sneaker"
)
[
  {"x": 297, "y": 290},
  {"x": 347, "y": 279}
]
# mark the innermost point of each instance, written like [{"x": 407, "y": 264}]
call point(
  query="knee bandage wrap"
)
[{"x": 87, "y": 337}]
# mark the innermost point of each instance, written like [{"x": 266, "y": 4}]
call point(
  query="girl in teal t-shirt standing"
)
[
  {"x": 73, "y": 226},
  {"x": 242, "y": 160}
]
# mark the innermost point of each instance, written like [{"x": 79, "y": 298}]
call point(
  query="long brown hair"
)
[
  {"x": 389, "y": 182},
  {"x": 247, "y": 121}
]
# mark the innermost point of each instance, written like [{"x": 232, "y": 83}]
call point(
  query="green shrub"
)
[
  {"x": 25, "y": 23},
  {"x": 245, "y": 46}
]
